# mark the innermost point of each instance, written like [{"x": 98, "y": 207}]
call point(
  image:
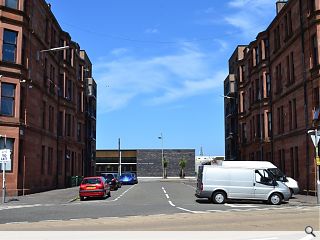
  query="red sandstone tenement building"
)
[
  {"x": 273, "y": 88},
  {"x": 48, "y": 100}
]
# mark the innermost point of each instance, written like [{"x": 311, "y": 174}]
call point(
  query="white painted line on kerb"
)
[{"x": 171, "y": 204}]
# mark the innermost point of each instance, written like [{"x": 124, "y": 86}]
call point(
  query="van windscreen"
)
[{"x": 278, "y": 175}]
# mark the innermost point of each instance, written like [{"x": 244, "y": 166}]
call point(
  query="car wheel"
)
[
  {"x": 275, "y": 199},
  {"x": 219, "y": 197},
  {"x": 109, "y": 194},
  {"x": 81, "y": 198}
]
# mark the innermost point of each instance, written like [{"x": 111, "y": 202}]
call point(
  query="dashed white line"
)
[
  {"x": 167, "y": 195},
  {"x": 171, "y": 204}
]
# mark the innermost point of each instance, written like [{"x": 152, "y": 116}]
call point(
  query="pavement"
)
[
  {"x": 67, "y": 195},
  {"x": 57, "y": 196}
]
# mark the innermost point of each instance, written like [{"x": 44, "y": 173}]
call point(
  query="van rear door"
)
[{"x": 199, "y": 180}]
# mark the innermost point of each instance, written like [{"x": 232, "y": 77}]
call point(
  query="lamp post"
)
[
  {"x": 4, "y": 173},
  {"x": 162, "y": 160}
]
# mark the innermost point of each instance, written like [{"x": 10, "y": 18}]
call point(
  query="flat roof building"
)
[{"x": 145, "y": 162}]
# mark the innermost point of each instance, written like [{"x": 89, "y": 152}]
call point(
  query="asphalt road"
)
[{"x": 156, "y": 205}]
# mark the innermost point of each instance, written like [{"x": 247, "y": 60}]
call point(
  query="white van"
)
[
  {"x": 279, "y": 176},
  {"x": 219, "y": 183}
]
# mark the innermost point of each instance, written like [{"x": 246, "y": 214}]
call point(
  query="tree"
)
[
  {"x": 165, "y": 165},
  {"x": 182, "y": 165}
]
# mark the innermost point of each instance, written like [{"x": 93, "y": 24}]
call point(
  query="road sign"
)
[
  {"x": 314, "y": 139},
  {"x": 5, "y": 155}
]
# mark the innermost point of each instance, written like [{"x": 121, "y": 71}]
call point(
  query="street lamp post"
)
[
  {"x": 162, "y": 159},
  {"x": 4, "y": 173}
]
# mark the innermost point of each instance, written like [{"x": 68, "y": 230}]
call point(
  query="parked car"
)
[
  {"x": 127, "y": 178},
  {"x": 221, "y": 183},
  {"x": 113, "y": 180},
  {"x": 94, "y": 187}
]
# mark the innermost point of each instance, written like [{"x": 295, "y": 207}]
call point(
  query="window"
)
[
  {"x": 278, "y": 79},
  {"x": 294, "y": 113},
  {"x": 47, "y": 31},
  {"x": 69, "y": 89},
  {"x": 44, "y": 108},
  {"x": 288, "y": 24},
  {"x": 292, "y": 74},
  {"x": 276, "y": 33},
  {"x": 268, "y": 80},
  {"x": 266, "y": 45},
  {"x": 60, "y": 123},
  {"x": 52, "y": 79},
  {"x": 244, "y": 133},
  {"x": 258, "y": 120},
  {"x": 263, "y": 177},
  {"x": 61, "y": 85},
  {"x": 315, "y": 55},
  {"x": 43, "y": 154},
  {"x": 51, "y": 118},
  {"x": 45, "y": 72},
  {"x": 257, "y": 55},
  {"x": 290, "y": 115},
  {"x": 9, "y": 46},
  {"x": 281, "y": 157},
  {"x": 312, "y": 5},
  {"x": 68, "y": 125},
  {"x": 79, "y": 132},
  {"x": 280, "y": 119},
  {"x": 12, "y": 4},
  {"x": 7, "y": 99},
  {"x": 7, "y": 143},
  {"x": 59, "y": 162},
  {"x": 296, "y": 162},
  {"x": 269, "y": 124},
  {"x": 50, "y": 160}
]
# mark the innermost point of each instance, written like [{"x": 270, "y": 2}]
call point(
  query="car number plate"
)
[{"x": 91, "y": 187}]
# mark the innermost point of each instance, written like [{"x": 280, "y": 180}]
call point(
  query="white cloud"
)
[
  {"x": 119, "y": 51},
  {"x": 250, "y": 16},
  {"x": 156, "y": 80},
  {"x": 151, "y": 30}
]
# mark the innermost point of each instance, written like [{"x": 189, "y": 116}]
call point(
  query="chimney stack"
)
[{"x": 279, "y": 5}]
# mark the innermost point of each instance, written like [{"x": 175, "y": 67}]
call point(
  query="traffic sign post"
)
[
  {"x": 315, "y": 136},
  {"x": 4, "y": 158}
]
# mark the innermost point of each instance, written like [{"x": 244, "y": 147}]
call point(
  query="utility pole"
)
[
  {"x": 119, "y": 169},
  {"x": 162, "y": 160},
  {"x": 4, "y": 171}
]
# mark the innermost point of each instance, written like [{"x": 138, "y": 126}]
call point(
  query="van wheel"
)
[
  {"x": 219, "y": 197},
  {"x": 275, "y": 199}
]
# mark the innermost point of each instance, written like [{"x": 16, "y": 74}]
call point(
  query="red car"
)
[{"x": 94, "y": 187}]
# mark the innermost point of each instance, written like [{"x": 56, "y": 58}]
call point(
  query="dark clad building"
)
[{"x": 146, "y": 162}]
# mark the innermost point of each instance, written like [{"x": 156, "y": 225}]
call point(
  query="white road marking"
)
[
  {"x": 164, "y": 191},
  {"x": 186, "y": 210},
  {"x": 272, "y": 238},
  {"x": 167, "y": 195},
  {"x": 122, "y": 194},
  {"x": 240, "y": 205},
  {"x": 171, "y": 204}
]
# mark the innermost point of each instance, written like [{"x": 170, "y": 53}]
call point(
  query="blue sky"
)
[{"x": 160, "y": 65}]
